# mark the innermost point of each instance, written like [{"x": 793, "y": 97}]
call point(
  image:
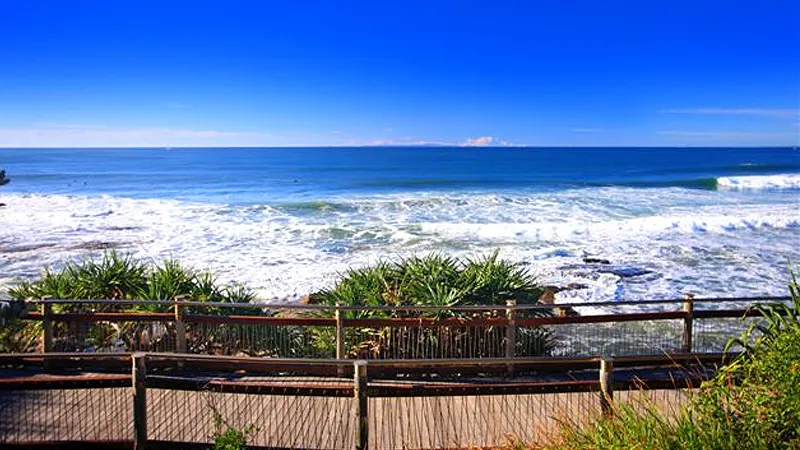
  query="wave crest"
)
[{"x": 757, "y": 182}]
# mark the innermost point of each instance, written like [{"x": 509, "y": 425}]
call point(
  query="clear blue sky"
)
[{"x": 139, "y": 73}]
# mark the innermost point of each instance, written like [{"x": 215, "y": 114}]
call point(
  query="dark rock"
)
[
  {"x": 26, "y": 248},
  {"x": 627, "y": 272},
  {"x": 95, "y": 245},
  {"x": 596, "y": 261},
  {"x": 2, "y": 204}
]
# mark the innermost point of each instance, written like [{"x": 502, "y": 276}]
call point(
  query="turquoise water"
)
[{"x": 286, "y": 221}]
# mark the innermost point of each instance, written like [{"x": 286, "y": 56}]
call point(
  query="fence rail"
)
[
  {"x": 279, "y": 330},
  {"x": 160, "y": 398}
]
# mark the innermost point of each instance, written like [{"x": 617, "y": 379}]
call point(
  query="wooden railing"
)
[
  {"x": 358, "y": 380},
  {"x": 501, "y": 329}
]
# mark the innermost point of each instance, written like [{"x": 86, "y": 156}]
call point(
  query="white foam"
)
[
  {"x": 698, "y": 221},
  {"x": 693, "y": 240},
  {"x": 784, "y": 181}
]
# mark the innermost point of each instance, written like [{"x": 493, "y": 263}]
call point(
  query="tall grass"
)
[{"x": 753, "y": 403}]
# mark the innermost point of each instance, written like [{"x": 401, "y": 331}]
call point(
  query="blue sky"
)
[{"x": 555, "y": 73}]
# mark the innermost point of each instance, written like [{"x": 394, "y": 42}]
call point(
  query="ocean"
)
[{"x": 605, "y": 223}]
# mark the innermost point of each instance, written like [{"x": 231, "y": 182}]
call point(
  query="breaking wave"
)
[
  {"x": 689, "y": 240},
  {"x": 756, "y": 182}
]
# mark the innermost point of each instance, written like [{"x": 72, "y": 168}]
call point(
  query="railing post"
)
[
  {"x": 139, "y": 373},
  {"x": 47, "y": 326},
  {"x": 339, "y": 337},
  {"x": 180, "y": 328},
  {"x": 339, "y": 332},
  {"x": 607, "y": 386},
  {"x": 360, "y": 397},
  {"x": 688, "y": 322},
  {"x": 511, "y": 333}
]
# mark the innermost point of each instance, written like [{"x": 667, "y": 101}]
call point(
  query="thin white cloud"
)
[
  {"x": 586, "y": 130},
  {"x": 485, "y": 141},
  {"x": 762, "y": 112},
  {"x": 67, "y": 135},
  {"x": 731, "y": 135}
]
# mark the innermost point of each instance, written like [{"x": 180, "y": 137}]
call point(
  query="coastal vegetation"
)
[
  {"x": 428, "y": 281},
  {"x": 113, "y": 276},
  {"x": 440, "y": 282},
  {"x": 228, "y": 437},
  {"x": 752, "y": 403},
  {"x": 433, "y": 280}
]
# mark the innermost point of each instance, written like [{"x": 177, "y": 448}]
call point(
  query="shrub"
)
[
  {"x": 116, "y": 276},
  {"x": 434, "y": 280},
  {"x": 226, "y": 437}
]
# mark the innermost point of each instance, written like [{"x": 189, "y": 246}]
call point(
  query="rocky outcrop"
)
[
  {"x": 589, "y": 260},
  {"x": 626, "y": 272}
]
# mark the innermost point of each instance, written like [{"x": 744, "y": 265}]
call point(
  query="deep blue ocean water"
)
[
  {"x": 719, "y": 221},
  {"x": 254, "y": 175}
]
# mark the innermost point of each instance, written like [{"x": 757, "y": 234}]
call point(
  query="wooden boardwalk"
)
[{"x": 292, "y": 421}]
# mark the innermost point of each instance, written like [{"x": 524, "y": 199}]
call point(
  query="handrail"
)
[
  {"x": 286, "y": 306},
  {"x": 455, "y": 332},
  {"x": 539, "y": 361},
  {"x": 388, "y": 322}
]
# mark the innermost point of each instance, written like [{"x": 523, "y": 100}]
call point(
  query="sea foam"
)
[
  {"x": 784, "y": 181},
  {"x": 705, "y": 242}
]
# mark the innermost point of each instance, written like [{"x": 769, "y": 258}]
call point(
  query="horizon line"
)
[{"x": 403, "y": 146}]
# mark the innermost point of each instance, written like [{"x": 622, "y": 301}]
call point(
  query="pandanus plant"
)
[
  {"x": 439, "y": 281},
  {"x": 120, "y": 277}
]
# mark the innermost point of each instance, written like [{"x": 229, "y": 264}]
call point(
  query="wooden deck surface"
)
[{"x": 290, "y": 421}]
